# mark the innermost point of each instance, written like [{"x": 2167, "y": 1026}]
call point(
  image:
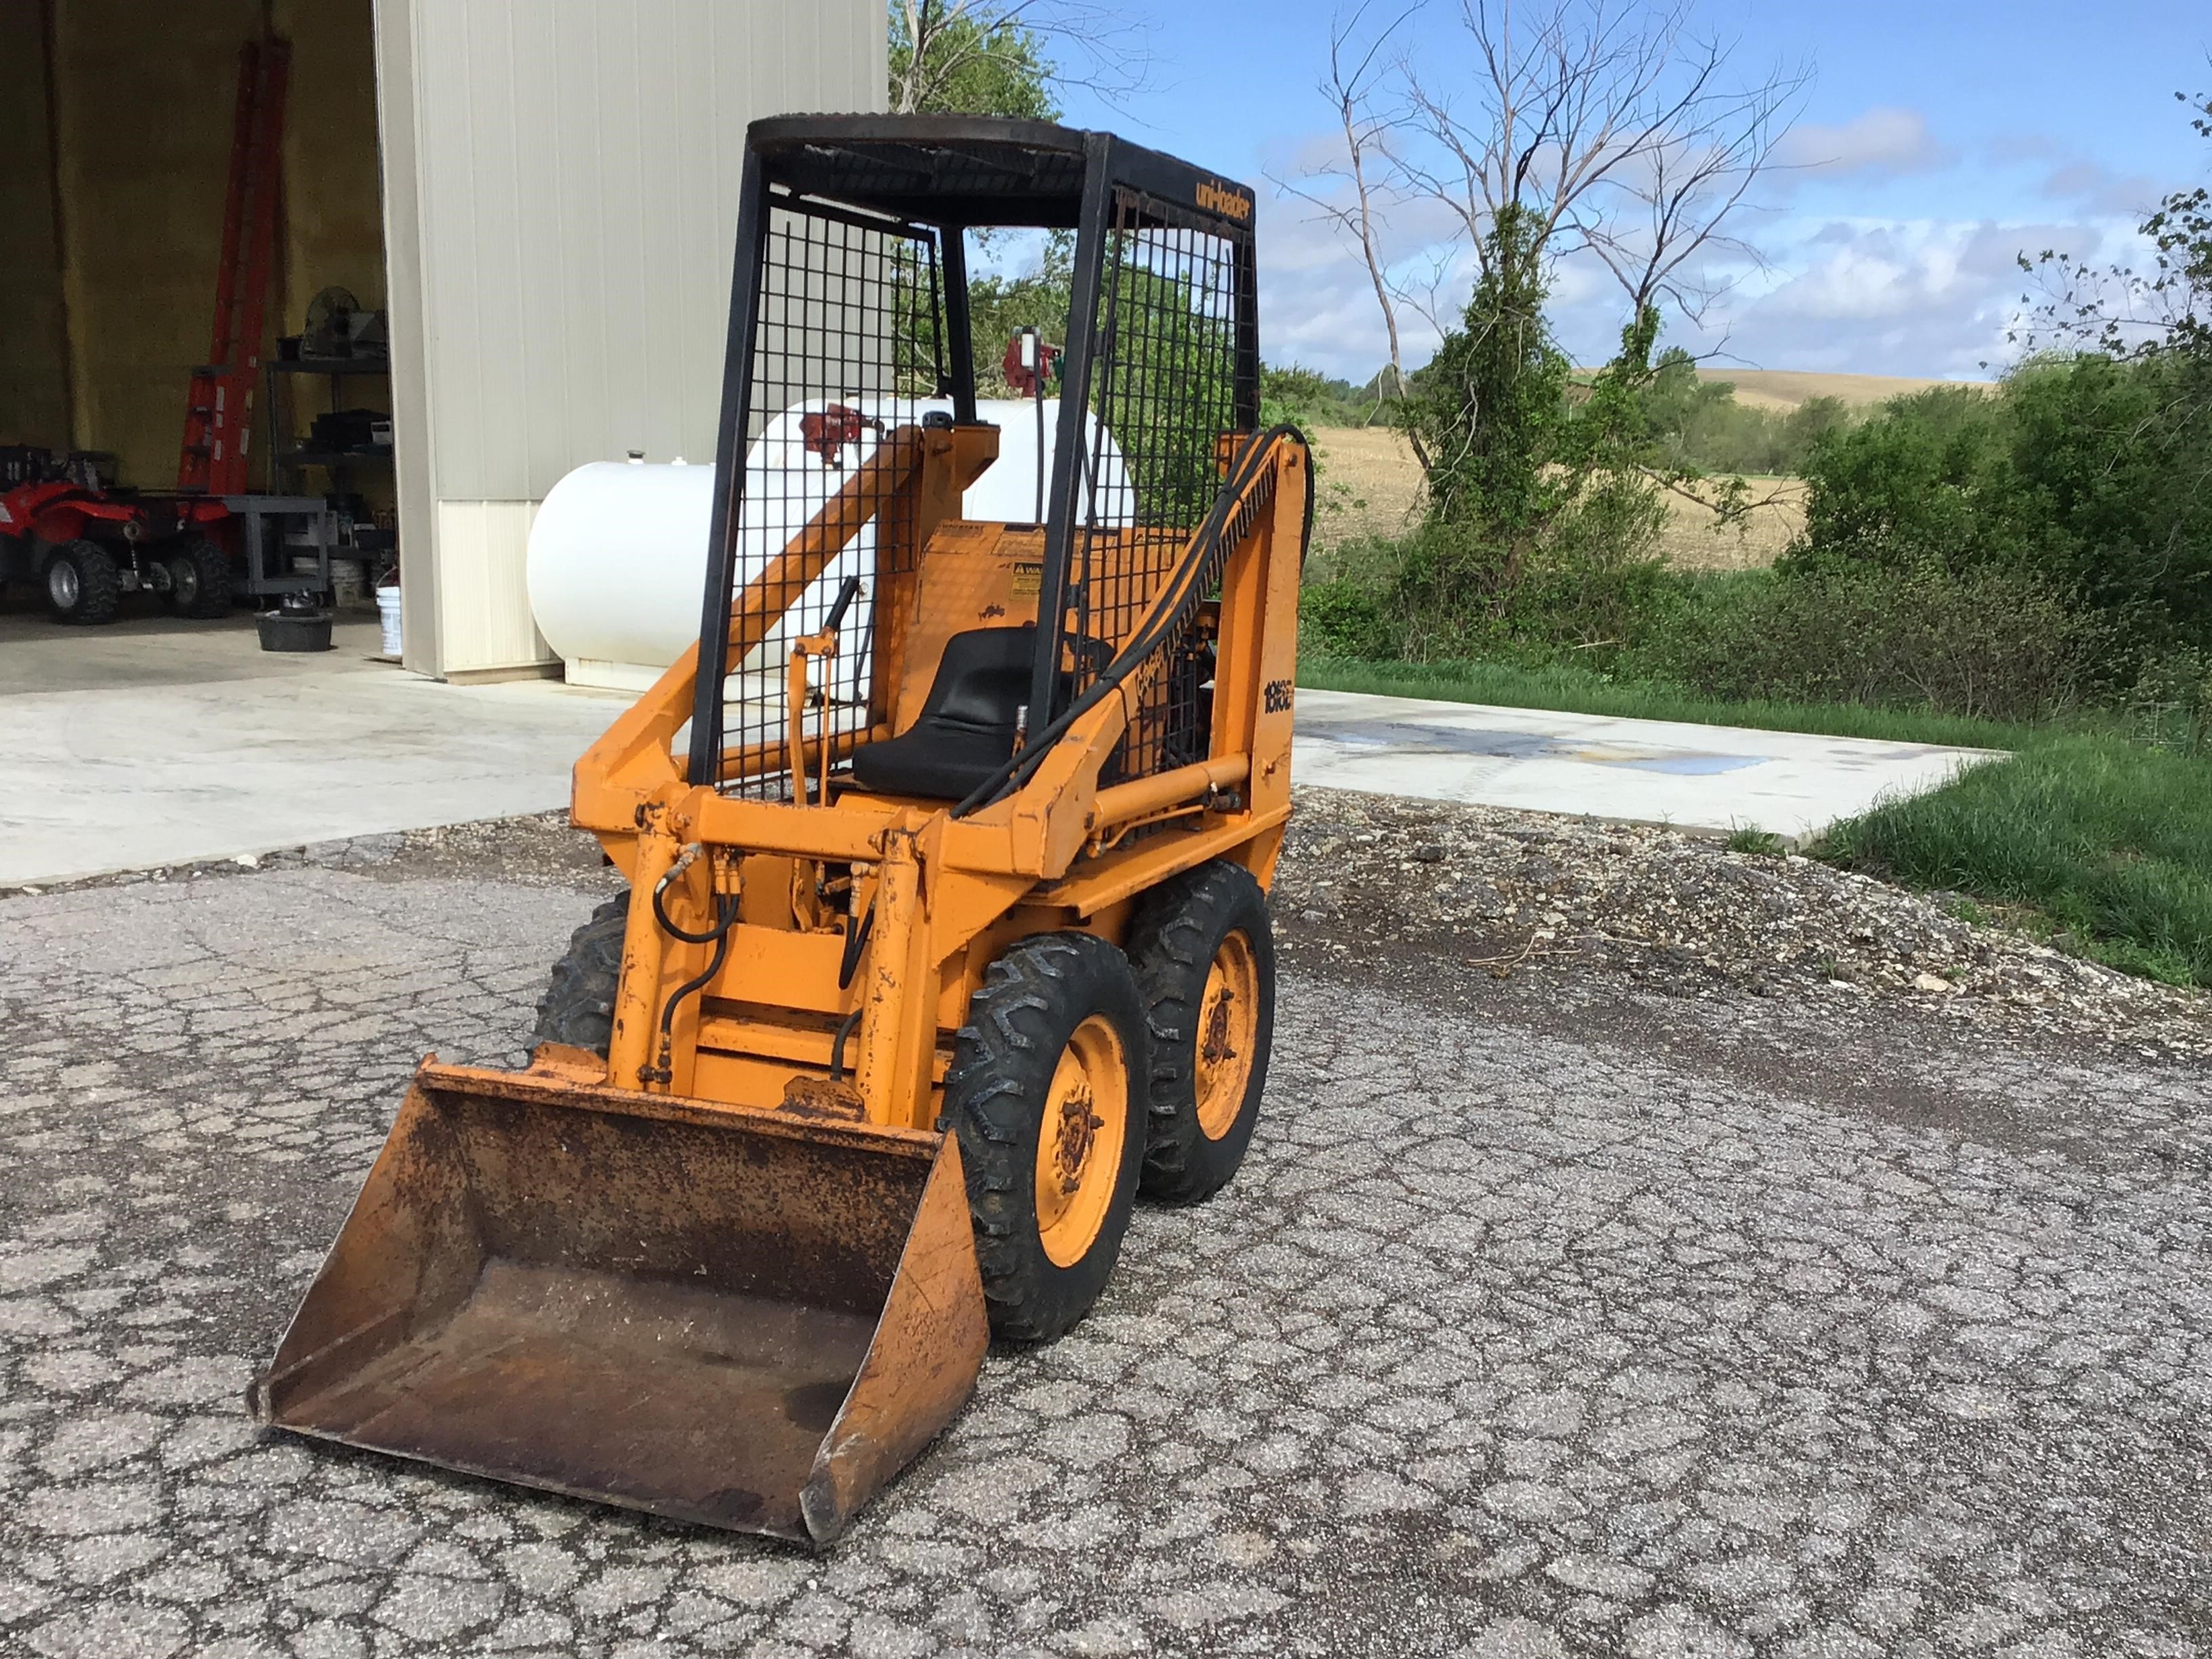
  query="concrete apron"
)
[
  {"x": 1714, "y": 779},
  {"x": 232, "y": 753},
  {"x": 178, "y": 748}
]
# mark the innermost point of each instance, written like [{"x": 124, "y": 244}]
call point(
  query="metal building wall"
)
[{"x": 560, "y": 198}]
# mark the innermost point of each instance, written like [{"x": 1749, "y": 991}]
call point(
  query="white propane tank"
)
[{"x": 617, "y": 555}]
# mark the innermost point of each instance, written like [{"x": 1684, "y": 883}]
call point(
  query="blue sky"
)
[{"x": 1939, "y": 139}]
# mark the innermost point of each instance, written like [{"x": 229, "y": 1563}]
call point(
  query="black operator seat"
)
[{"x": 965, "y": 731}]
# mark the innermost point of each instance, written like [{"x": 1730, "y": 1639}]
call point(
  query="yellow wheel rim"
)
[
  {"x": 1228, "y": 1035},
  {"x": 1086, "y": 1125}
]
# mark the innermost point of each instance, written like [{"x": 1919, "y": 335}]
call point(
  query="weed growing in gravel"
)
[{"x": 1760, "y": 843}]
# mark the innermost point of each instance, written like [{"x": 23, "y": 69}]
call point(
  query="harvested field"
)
[
  {"x": 1694, "y": 539},
  {"x": 1369, "y": 485},
  {"x": 1785, "y": 389},
  {"x": 1372, "y": 487}
]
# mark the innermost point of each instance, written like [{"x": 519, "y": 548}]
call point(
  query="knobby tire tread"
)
[
  {"x": 1177, "y": 929},
  {"x": 1018, "y": 1022},
  {"x": 578, "y": 1007}
]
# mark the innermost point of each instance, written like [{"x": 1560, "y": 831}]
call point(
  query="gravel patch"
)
[
  {"x": 541, "y": 849},
  {"x": 1441, "y": 895},
  {"x": 1437, "y": 896}
]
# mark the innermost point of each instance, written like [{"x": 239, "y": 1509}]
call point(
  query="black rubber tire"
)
[
  {"x": 578, "y": 1007},
  {"x": 200, "y": 579},
  {"x": 98, "y": 590},
  {"x": 1020, "y": 1021},
  {"x": 1173, "y": 938}
]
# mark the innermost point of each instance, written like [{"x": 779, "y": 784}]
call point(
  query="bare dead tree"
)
[
  {"x": 1613, "y": 127},
  {"x": 1615, "y": 131},
  {"x": 939, "y": 46},
  {"x": 1673, "y": 222},
  {"x": 1347, "y": 191}
]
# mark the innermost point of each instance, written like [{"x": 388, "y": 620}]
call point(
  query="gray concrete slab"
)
[
  {"x": 1691, "y": 777},
  {"x": 159, "y": 742},
  {"x": 1511, "y": 1338},
  {"x": 155, "y": 649},
  {"x": 151, "y": 744}
]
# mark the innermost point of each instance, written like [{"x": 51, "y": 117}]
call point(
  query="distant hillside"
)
[{"x": 1784, "y": 389}]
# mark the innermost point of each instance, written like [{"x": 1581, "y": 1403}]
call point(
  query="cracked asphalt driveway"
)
[{"x": 1533, "y": 1327}]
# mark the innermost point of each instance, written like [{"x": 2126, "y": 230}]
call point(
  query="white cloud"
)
[
  {"x": 1317, "y": 303},
  {"x": 1892, "y": 296},
  {"x": 1886, "y": 142},
  {"x": 2095, "y": 188},
  {"x": 1857, "y": 295},
  {"x": 1841, "y": 289}
]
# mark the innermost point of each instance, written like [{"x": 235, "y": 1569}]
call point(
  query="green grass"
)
[
  {"x": 1763, "y": 843},
  {"x": 2106, "y": 840},
  {"x": 1580, "y": 691},
  {"x": 2080, "y": 833}
]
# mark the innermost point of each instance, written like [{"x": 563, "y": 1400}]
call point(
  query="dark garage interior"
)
[{"x": 121, "y": 119}]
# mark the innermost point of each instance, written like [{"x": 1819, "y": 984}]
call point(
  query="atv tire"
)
[
  {"x": 1203, "y": 950},
  {"x": 1046, "y": 1096},
  {"x": 200, "y": 580},
  {"x": 82, "y": 584}
]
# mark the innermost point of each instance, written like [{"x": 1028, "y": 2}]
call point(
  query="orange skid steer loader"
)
[{"x": 947, "y": 850}]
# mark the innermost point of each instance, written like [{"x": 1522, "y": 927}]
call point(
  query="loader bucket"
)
[{"x": 750, "y": 1320}]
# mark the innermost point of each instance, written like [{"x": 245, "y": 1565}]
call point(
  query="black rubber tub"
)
[{"x": 296, "y": 630}]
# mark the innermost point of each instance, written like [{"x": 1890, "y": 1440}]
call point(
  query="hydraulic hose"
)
[
  {"x": 856, "y": 940},
  {"x": 837, "y": 1048},
  {"x": 660, "y": 913},
  {"x": 720, "y": 933},
  {"x": 726, "y": 917}
]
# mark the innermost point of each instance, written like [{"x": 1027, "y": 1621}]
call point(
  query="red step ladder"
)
[{"x": 219, "y": 409}]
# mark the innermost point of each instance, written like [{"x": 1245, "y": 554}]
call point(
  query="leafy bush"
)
[
  {"x": 2114, "y": 459},
  {"x": 1587, "y": 581},
  {"x": 1922, "y": 484},
  {"x": 1342, "y": 618},
  {"x": 1989, "y": 644},
  {"x": 2087, "y": 474},
  {"x": 1594, "y": 581}
]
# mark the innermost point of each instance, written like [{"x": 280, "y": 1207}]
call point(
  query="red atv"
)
[{"x": 64, "y": 529}]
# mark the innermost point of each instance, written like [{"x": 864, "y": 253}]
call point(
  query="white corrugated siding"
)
[{"x": 575, "y": 166}]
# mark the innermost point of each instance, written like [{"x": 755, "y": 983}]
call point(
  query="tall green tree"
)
[
  {"x": 1011, "y": 57},
  {"x": 1489, "y": 407},
  {"x": 962, "y": 57}
]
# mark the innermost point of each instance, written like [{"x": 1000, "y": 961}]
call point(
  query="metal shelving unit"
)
[{"x": 289, "y": 455}]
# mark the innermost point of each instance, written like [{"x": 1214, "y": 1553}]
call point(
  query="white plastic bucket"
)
[{"x": 387, "y": 612}]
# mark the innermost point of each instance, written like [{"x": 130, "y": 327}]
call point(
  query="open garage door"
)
[{"x": 194, "y": 399}]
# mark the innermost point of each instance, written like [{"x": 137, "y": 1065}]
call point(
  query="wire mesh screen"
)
[
  {"x": 1164, "y": 387},
  {"x": 847, "y": 350}
]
